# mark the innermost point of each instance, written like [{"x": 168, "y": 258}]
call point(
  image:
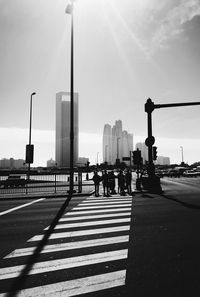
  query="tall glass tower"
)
[{"x": 63, "y": 129}]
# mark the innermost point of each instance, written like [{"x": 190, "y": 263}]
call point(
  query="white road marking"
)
[
  {"x": 72, "y": 212},
  {"x": 70, "y": 246},
  {"x": 54, "y": 265},
  {"x": 107, "y": 200},
  {"x": 124, "y": 214},
  {"x": 21, "y": 206},
  {"x": 82, "y": 233},
  {"x": 78, "y": 286},
  {"x": 116, "y": 196},
  {"x": 80, "y": 207},
  {"x": 104, "y": 203},
  {"x": 93, "y": 223}
]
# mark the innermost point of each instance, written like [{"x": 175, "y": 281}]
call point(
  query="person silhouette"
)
[
  {"x": 121, "y": 183},
  {"x": 96, "y": 179},
  {"x": 111, "y": 180},
  {"x": 128, "y": 180},
  {"x": 105, "y": 183}
]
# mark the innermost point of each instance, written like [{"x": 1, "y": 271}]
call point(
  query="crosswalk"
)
[{"x": 86, "y": 253}]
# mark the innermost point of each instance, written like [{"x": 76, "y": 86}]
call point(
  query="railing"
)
[{"x": 46, "y": 183}]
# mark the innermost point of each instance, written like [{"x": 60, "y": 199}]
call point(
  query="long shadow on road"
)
[{"x": 185, "y": 204}]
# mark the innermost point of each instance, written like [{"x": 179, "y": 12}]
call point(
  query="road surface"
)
[{"x": 145, "y": 245}]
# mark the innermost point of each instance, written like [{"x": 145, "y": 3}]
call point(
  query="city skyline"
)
[
  {"x": 124, "y": 53},
  {"x": 117, "y": 143}
]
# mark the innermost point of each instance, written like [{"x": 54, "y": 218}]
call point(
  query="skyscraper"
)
[
  {"x": 116, "y": 143},
  {"x": 107, "y": 144},
  {"x": 63, "y": 129}
]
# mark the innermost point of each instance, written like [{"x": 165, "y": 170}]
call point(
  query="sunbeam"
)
[{"x": 130, "y": 33}]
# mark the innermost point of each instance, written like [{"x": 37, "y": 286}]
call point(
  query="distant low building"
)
[
  {"x": 51, "y": 163},
  {"x": 163, "y": 160},
  {"x": 82, "y": 161},
  {"x": 12, "y": 163}
]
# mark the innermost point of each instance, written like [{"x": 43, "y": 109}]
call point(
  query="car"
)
[
  {"x": 13, "y": 181},
  {"x": 173, "y": 173},
  {"x": 190, "y": 173},
  {"x": 159, "y": 173}
]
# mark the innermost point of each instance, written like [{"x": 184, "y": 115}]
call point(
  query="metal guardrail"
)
[{"x": 48, "y": 183}]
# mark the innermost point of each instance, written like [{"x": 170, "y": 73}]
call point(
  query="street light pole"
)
[
  {"x": 30, "y": 124},
  {"x": 30, "y": 150},
  {"x": 69, "y": 10}
]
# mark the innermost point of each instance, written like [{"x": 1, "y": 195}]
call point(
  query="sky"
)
[{"x": 125, "y": 52}]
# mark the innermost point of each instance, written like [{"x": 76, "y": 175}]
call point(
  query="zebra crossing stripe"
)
[
  {"x": 89, "y": 200},
  {"x": 66, "y": 263},
  {"x": 105, "y": 203},
  {"x": 82, "y": 233},
  {"x": 70, "y": 246},
  {"x": 72, "y": 212},
  {"x": 93, "y": 223},
  {"x": 112, "y": 215},
  {"x": 115, "y": 197},
  {"x": 80, "y": 207},
  {"x": 78, "y": 286}
]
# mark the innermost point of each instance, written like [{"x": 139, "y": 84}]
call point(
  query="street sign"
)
[{"x": 150, "y": 141}]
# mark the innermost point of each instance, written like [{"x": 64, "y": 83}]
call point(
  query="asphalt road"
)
[
  {"x": 165, "y": 246},
  {"x": 145, "y": 245}
]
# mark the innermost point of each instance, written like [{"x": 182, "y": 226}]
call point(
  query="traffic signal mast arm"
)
[{"x": 150, "y": 106}]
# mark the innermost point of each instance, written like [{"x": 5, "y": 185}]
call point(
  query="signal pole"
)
[{"x": 153, "y": 181}]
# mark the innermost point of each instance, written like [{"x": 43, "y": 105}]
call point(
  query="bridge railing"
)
[{"x": 41, "y": 183}]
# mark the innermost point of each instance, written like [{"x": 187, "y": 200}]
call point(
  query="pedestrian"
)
[
  {"x": 111, "y": 181},
  {"x": 121, "y": 183},
  {"x": 96, "y": 179},
  {"x": 128, "y": 180},
  {"x": 104, "y": 179}
]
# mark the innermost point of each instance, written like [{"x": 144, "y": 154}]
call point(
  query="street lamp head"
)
[
  {"x": 34, "y": 93},
  {"x": 70, "y": 6}
]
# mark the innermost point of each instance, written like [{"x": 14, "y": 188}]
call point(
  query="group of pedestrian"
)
[{"x": 109, "y": 184}]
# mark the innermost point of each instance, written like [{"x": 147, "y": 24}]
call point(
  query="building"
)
[
  {"x": 63, "y": 129},
  {"x": 12, "y": 163},
  {"x": 116, "y": 143},
  {"x": 82, "y": 161},
  {"x": 107, "y": 144},
  {"x": 51, "y": 163},
  {"x": 163, "y": 160}
]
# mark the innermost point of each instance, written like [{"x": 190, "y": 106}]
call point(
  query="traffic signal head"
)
[
  {"x": 154, "y": 152},
  {"x": 137, "y": 157}
]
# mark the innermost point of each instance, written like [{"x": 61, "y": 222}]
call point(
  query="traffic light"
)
[
  {"x": 29, "y": 153},
  {"x": 154, "y": 152},
  {"x": 137, "y": 157}
]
